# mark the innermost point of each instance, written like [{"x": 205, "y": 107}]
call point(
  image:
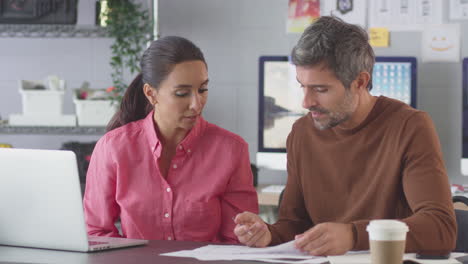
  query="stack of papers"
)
[
  {"x": 284, "y": 253},
  {"x": 287, "y": 253}
]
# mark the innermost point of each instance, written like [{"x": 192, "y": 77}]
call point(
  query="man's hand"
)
[
  {"x": 326, "y": 239},
  {"x": 251, "y": 230}
]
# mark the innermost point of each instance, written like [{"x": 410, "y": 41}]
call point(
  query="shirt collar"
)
[
  {"x": 151, "y": 135},
  {"x": 188, "y": 144}
]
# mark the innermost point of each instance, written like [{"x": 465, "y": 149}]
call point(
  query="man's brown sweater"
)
[{"x": 388, "y": 167}]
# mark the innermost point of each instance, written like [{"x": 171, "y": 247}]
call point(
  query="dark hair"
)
[
  {"x": 156, "y": 64},
  {"x": 343, "y": 48}
]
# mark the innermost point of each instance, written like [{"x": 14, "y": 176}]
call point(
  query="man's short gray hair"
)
[{"x": 343, "y": 48}]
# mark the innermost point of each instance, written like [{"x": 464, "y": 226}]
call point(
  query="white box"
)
[
  {"x": 94, "y": 112},
  {"x": 42, "y": 102},
  {"x": 42, "y": 120}
]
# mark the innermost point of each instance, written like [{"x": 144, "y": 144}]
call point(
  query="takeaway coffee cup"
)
[{"x": 387, "y": 241}]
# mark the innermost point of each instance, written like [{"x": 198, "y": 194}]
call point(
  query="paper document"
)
[
  {"x": 379, "y": 37},
  {"x": 283, "y": 253},
  {"x": 287, "y": 253},
  {"x": 405, "y": 15}
]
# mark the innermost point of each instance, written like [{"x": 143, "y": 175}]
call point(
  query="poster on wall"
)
[
  {"x": 458, "y": 10},
  {"x": 351, "y": 11},
  {"x": 301, "y": 13},
  {"x": 441, "y": 43},
  {"x": 405, "y": 15}
]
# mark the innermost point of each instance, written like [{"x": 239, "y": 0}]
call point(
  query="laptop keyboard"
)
[{"x": 93, "y": 243}]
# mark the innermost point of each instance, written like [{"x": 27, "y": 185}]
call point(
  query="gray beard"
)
[
  {"x": 335, "y": 119},
  {"x": 339, "y": 116}
]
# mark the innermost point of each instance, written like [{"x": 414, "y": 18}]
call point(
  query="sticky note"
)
[{"x": 379, "y": 37}]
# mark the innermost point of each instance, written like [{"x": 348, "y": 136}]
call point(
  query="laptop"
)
[{"x": 41, "y": 203}]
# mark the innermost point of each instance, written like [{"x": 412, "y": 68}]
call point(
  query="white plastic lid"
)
[{"x": 387, "y": 230}]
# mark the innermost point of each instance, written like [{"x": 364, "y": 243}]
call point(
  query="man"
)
[{"x": 354, "y": 157}]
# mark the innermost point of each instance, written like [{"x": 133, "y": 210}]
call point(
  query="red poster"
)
[{"x": 302, "y": 13}]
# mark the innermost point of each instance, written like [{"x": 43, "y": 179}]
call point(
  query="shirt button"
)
[
  {"x": 174, "y": 166},
  {"x": 188, "y": 150},
  {"x": 169, "y": 238},
  {"x": 166, "y": 215},
  {"x": 168, "y": 189},
  {"x": 180, "y": 147}
]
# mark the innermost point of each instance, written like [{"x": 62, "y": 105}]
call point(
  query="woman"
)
[{"x": 161, "y": 168}]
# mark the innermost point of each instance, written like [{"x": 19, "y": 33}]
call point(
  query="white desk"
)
[{"x": 267, "y": 198}]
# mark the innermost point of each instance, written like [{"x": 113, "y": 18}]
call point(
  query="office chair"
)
[
  {"x": 461, "y": 213},
  {"x": 460, "y": 202}
]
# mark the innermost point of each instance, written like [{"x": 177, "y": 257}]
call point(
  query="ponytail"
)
[{"x": 134, "y": 105}]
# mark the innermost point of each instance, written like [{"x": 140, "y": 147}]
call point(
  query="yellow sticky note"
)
[{"x": 379, "y": 37}]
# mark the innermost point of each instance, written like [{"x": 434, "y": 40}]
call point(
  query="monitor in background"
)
[
  {"x": 464, "y": 159},
  {"x": 280, "y": 100},
  {"x": 395, "y": 77},
  {"x": 279, "y": 107}
]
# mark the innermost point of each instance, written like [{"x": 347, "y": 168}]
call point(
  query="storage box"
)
[
  {"x": 94, "y": 112},
  {"x": 42, "y": 102}
]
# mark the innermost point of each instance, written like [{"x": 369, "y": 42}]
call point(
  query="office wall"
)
[{"x": 233, "y": 34}]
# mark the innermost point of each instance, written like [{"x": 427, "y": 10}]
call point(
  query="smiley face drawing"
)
[{"x": 440, "y": 43}]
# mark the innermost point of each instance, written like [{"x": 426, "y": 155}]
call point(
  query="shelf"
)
[
  {"x": 51, "y": 31},
  {"x": 34, "y": 130}
]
